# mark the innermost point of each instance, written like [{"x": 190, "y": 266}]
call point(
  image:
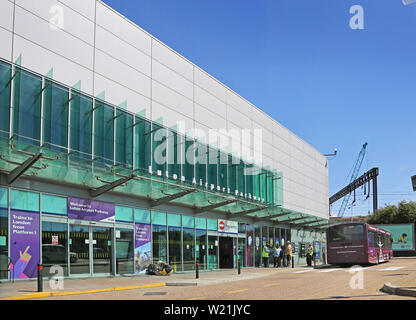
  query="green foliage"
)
[{"x": 404, "y": 212}]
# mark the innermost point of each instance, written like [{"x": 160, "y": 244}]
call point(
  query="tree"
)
[{"x": 404, "y": 212}]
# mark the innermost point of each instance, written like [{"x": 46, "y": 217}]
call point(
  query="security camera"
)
[{"x": 335, "y": 151}]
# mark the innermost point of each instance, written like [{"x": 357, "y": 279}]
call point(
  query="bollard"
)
[
  {"x": 239, "y": 266},
  {"x": 314, "y": 263},
  {"x": 197, "y": 270},
  {"x": 40, "y": 280},
  {"x": 293, "y": 261}
]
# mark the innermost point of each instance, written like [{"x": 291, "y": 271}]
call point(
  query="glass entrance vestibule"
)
[{"x": 126, "y": 241}]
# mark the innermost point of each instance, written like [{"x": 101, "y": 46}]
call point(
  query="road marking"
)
[
  {"x": 270, "y": 285},
  {"x": 236, "y": 291},
  {"x": 196, "y": 298},
  {"x": 329, "y": 270},
  {"x": 391, "y": 269},
  {"x": 303, "y": 271}
]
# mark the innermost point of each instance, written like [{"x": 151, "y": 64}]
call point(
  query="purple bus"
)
[{"x": 358, "y": 243}]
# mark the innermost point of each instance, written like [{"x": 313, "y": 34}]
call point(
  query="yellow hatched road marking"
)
[{"x": 196, "y": 298}]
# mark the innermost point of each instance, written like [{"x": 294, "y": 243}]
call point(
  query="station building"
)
[{"x": 117, "y": 152}]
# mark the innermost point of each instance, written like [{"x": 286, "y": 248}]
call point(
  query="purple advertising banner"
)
[
  {"x": 86, "y": 209},
  {"x": 142, "y": 247},
  {"x": 24, "y": 243}
]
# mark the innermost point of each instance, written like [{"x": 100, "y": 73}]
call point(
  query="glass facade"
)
[{"x": 94, "y": 134}]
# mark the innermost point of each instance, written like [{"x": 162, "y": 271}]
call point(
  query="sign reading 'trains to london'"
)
[{"x": 86, "y": 209}]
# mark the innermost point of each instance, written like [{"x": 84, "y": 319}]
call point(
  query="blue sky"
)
[{"x": 300, "y": 62}]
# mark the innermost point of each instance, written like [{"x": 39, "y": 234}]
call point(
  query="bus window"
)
[{"x": 346, "y": 233}]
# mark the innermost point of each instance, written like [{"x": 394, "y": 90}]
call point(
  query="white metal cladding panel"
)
[
  {"x": 172, "y": 79},
  {"x": 208, "y": 118},
  {"x": 239, "y": 103},
  {"x": 123, "y": 28},
  {"x": 122, "y": 51},
  {"x": 238, "y": 117},
  {"x": 262, "y": 119},
  {"x": 42, "y": 61},
  {"x": 121, "y": 73},
  {"x": 116, "y": 94},
  {"x": 73, "y": 22},
  {"x": 84, "y": 7},
  {"x": 170, "y": 117},
  {"x": 172, "y": 60},
  {"x": 209, "y": 84},
  {"x": 38, "y": 31},
  {"x": 6, "y": 44},
  {"x": 6, "y": 15},
  {"x": 172, "y": 99},
  {"x": 210, "y": 102}
]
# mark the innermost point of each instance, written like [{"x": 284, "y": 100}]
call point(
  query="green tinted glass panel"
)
[
  {"x": 200, "y": 163},
  {"x": 27, "y": 106},
  {"x": 5, "y": 86},
  {"x": 81, "y": 125},
  {"x": 189, "y": 154},
  {"x": 174, "y": 220},
  {"x": 124, "y": 138},
  {"x": 159, "y": 218},
  {"x": 263, "y": 184},
  {"x": 55, "y": 116},
  {"x": 241, "y": 178},
  {"x": 269, "y": 187},
  {"x": 256, "y": 183},
  {"x": 142, "y": 216},
  {"x": 23, "y": 200},
  {"x": 222, "y": 170},
  {"x": 3, "y": 198},
  {"x": 249, "y": 180},
  {"x": 188, "y": 222},
  {"x": 174, "y": 148},
  {"x": 124, "y": 214},
  {"x": 212, "y": 166},
  {"x": 232, "y": 174},
  {"x": 200, "y": 223},
  {"x": 212, "y": 224},
  {"x": 159, "y": 148},
  {"x": 103, "y": 132},
  {"x": 142, "y": 143},
  {"x": 53, "y": 204}
]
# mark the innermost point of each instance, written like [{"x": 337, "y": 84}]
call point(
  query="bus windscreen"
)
[{"x": 346, "y": 233}]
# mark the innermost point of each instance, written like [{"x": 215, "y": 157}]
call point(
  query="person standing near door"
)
[
  {"x": 265, "y": 255},
  {"x": 288, "y": 254},
  {"x": 309, "y": 255},
  {"x": 276, "y": 256}
]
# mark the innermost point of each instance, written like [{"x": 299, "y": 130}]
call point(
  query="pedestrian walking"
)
[
  {"x": 277, "y": 256},
  {"x": 288, "y": 253}
]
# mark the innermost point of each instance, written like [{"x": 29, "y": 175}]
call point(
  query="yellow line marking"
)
[
  {"x": 270, "y": 285},
  {"x": 196, "y": 298},
  {"x": 70, "y": 293},
  {"x": 236, "y": 291}
]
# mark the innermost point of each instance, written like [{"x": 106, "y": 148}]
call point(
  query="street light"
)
[{"x": 335, "y": 150}]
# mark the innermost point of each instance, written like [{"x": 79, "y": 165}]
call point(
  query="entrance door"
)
[
  {"x": 79, "y": 250},
  {"x": 101, "y": 248},
  {"x": 226, "y": 252},
  {"x": 90, "y": 250}
]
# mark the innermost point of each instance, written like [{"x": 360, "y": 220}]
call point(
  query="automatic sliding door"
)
[
  {"x": 79, "y": 249},
  {"x": 101, "y": 241}
]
